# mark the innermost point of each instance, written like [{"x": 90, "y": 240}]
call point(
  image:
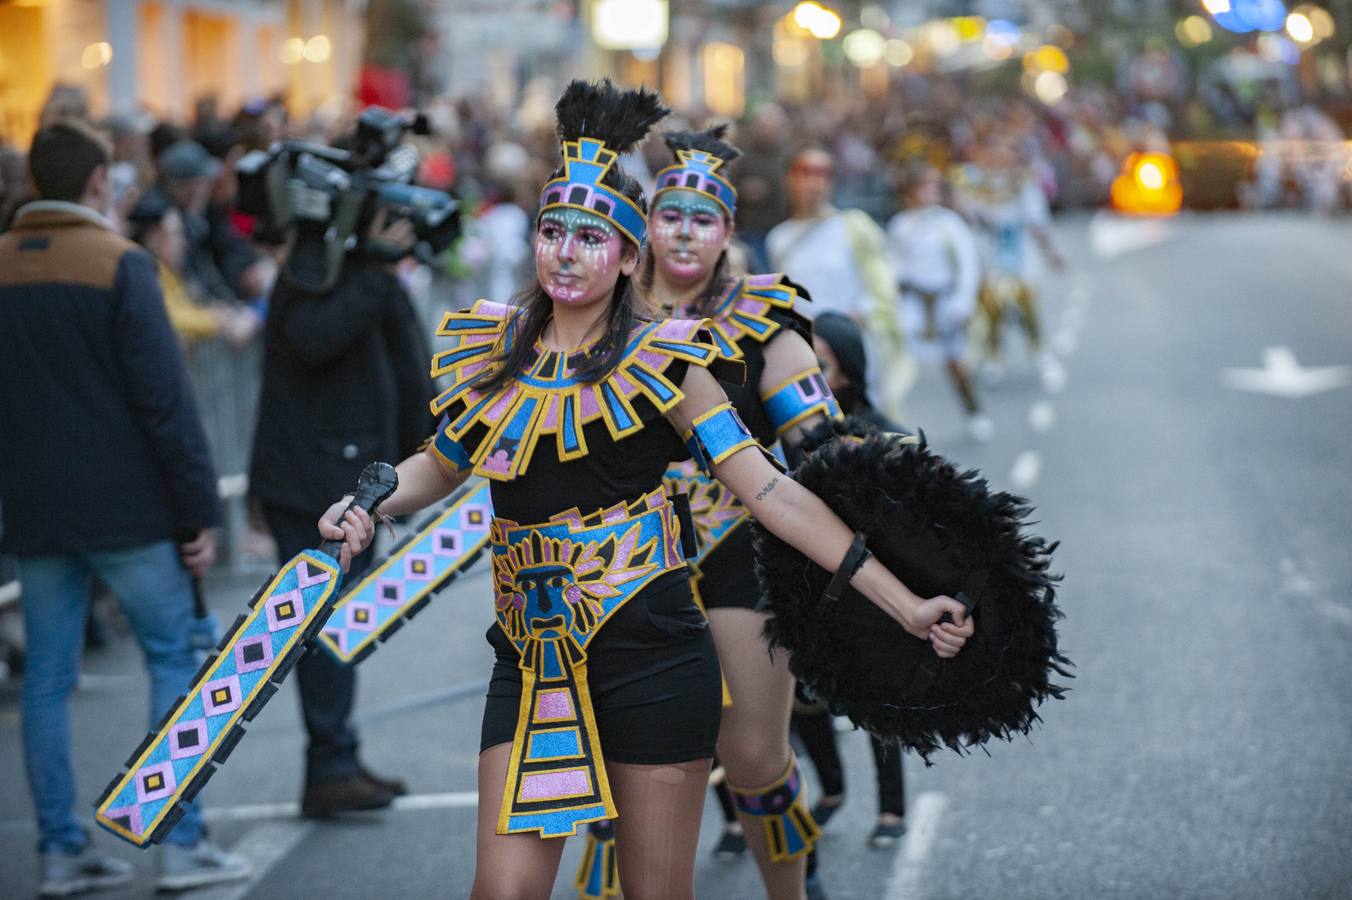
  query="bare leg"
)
[
  {"x": 963, "y": 382},
  {"x": 508, "y": 866},
  {"x": 1027, "y": 300},
  {"x": 992, "y": 306},
  {"x": 657, "y": 829},
  {"x": 753, "y": 742}
]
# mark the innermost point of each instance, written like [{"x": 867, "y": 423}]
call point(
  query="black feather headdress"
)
[
  {"x": 596, "y": 123},
  {"x": 710, "y": 140},
  {"x": 598, "y": 109},
  {"x": 701, "y": 165}
]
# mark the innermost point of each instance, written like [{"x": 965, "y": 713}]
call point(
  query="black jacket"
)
[
  {"x": 100, "y": 444},
  {"x": 345, "y": 382}
]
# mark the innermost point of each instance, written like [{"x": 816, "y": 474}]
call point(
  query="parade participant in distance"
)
[
  {"x": 938, "y": 270},
  {"x": 605, "y": 696},
  {"x": 1013, "y": 222},
  {"x": 840, "y": 256}
]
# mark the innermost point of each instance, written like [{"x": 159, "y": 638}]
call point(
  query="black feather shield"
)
[{"x": 940, "y": 531}]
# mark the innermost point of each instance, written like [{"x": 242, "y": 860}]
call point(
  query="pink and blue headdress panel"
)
[
  {"x": 700, "y": 159},
  {"x": 585, "y": 162},
  {"x": 597, "y": 123}
]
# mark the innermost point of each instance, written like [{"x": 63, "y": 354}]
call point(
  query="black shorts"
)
[
  {"x": 653, "y": 674},
  {"x": 728, "y": 574}
]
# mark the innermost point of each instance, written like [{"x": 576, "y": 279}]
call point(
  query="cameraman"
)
[{"x": 345, "y": 382}]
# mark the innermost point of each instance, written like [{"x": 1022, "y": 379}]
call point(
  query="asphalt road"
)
[{"x": 1203, "y": 750}]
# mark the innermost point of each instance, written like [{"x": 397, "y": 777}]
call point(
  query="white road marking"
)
[
  {"x": 291, "y": 810},
  {"x": 1297, "y": 584},
  {"x": 264, "y": 847},
  {"x": 1027, "y": 467},
  {"x": 1041, "y": 416},
  {"x": 903, "y": 883},
  {"x": 1065, "y": 342},
  {"x": 1111, "y": 236},
  {"x": 1282, "y": 375}
]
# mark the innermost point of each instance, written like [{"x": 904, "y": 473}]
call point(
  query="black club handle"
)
[{"x": 374, "y": 486}]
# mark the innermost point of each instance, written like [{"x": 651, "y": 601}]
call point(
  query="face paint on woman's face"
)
[
  {"x": 688, "y": 233},
  {"x": 577, "y": 256}
]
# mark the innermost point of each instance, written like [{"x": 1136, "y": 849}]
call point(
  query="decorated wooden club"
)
[{"x": 145, "y": 801}]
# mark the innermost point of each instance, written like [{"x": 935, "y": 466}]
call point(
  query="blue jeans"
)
[{"x": 156, "y": 596}]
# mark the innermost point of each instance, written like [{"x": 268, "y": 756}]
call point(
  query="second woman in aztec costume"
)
[
  {"x": 605, "y": 698},
  {"x": 753, "y": 319}
]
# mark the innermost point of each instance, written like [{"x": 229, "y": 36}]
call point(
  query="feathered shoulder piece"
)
[
  {"x": 756, "y": 307},
  {"x": 499, "y": 430},
  {"x": 701, "y": 160}
]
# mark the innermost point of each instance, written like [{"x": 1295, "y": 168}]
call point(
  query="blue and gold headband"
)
[
  {"x": 698, "y": 171},
  {"x": 585, "y": 162}
]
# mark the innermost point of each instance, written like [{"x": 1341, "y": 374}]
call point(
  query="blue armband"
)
[
  {"x": 449, "y": 450},
  {"x": 798, "y": 399},
  {"x": 716, "y": 435}
]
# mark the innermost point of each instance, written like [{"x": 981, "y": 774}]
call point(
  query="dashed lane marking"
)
[
  {"x": 1023, "y": 475},
  {"x": 250, "y": 812},
  {"x": 903, "y": 883}
]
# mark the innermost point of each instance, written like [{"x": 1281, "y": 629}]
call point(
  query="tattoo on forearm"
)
[{"x": 769, "y": 486}]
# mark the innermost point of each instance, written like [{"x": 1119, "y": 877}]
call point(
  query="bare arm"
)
[
  {"x": 423, "y": 480},
  {"x": 798, "y": 517}
]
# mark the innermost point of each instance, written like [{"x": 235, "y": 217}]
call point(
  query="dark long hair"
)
[{"x": 621, "y": 119}]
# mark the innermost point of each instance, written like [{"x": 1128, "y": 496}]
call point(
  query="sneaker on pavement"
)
[
  {"x": 824, "y": 810},
  {"x": 886, "y": 834},
  {"x": 980, "y": 428},
  {"x": 353, "y": 793},
  {"x": 203, "y": 863},
  {"x": 731, "y": 845},
  {"x": 64, "y": 874}
]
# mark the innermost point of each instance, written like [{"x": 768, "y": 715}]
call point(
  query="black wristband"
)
[{"x": 855, "y": 557}]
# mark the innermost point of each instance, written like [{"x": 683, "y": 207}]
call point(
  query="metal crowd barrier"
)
[{"x": 226, "y": 380}]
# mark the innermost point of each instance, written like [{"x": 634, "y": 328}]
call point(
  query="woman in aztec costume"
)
[
  {"x": 605, "y": 697},
  {"x": 753, "y": 319}
]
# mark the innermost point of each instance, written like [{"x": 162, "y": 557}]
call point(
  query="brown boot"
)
[{"x": 351, "y": 793}]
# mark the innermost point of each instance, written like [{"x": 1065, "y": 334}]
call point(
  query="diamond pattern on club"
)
[
  {"x": 129, "y": 817},
  {"x": 446, "y": 542},
  {"x": 285, "y": 610},
  {"x": 474, "y": 516},
  {"x": 155, "y": 782},
  {"x": 338, "y": 635},
  {"x": 187, "y": 739},
  {"x": 253, "y": 653},
  {"x": 221, "y": 696},
  {"x": 304, "y": 578},
  {"x": 417, "y": 567},
  {"x": 361, "y": 616},
  {"x": 390, "y": 592}
]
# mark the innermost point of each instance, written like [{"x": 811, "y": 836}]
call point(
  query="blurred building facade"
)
[{"x": 164, "y": 55}]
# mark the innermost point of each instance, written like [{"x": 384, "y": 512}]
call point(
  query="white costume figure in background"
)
[
  {"x": 840, "y": 256},
  {"x": 938, "y": 267},
  {"x": 1009, "y": 210}
]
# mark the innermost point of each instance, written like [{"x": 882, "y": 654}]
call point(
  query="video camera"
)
[{"x": 329, "y": 195}]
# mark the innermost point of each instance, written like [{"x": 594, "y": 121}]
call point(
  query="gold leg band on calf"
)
[
  {"x": 598, "y": 876},
  {"x": 790, "y": 831}
]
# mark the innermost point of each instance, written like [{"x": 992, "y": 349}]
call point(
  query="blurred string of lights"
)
[{"x": 1279, "y": 34}]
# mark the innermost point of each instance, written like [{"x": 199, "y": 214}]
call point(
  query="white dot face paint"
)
[
  {"x": 577, "y": 256},
  {"x": 687, "y": 233}
]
